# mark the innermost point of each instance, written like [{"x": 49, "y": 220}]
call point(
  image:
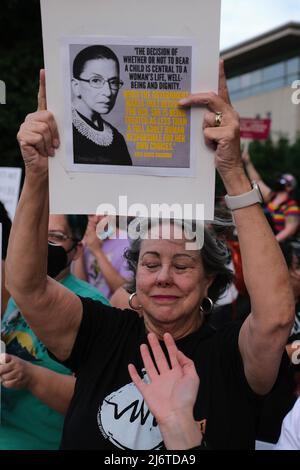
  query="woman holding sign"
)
[
  {"x": 95, "y": 85},
  {"x": 175, "y": 287}
]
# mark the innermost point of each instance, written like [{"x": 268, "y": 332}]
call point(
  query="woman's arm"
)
[
  {"x": 53, "y": 389},
  {"x": 52, "y": 311},
  {"x": 290, "y": 229},
  {"x": 264, "y": 334},
  {"x": 120, "y": 298},
  {"x": 112, "y": 278},
  {"x": 255, "y": 176},
  {"x": 78, "y": 268}
]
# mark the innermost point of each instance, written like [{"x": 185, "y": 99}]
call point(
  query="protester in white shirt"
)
[{"x": 290, "y": 432}]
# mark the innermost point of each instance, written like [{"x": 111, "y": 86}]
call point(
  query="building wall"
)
[{"x": 284, "y": 114}]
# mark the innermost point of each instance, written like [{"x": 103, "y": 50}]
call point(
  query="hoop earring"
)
[
  {"x": 208, "y": 308},
  {"x": 130, "y": 301}
]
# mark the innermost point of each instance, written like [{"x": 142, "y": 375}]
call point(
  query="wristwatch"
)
[{"x": 244, "y": 200}]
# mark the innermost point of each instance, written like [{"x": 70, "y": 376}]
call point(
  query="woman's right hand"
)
[
  {"x": 38, "y": 135},
  {"x": 222, "y": 135}
]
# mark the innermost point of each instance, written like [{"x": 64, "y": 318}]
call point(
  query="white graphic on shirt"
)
[{"x": 125, "y": 420}]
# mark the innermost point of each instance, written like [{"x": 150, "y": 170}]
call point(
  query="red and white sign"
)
[{"x": 256, "y": 129}]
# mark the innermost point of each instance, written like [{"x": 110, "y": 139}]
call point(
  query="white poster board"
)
[
  {"x": 10, "y": 180},
  {"x": 118, "y": 24}
]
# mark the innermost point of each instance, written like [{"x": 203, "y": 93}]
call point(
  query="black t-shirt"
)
[
  {"x": 88, "y": 152},
  {"x": 107, "y": 411}
]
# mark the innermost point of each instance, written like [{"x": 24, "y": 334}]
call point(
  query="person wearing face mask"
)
[
  {"x": 35, "y": 389},
  {"x": 102, "y": 263}
]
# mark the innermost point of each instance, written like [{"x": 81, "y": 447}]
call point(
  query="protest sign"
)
[
  {"x": 255, "y": 129},
  {"x": 121, "y": 129},
  {"x": 10, "y": 179}
]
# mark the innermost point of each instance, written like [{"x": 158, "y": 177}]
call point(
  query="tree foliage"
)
[
  {"x": 272, "y": 159},
  {"x": 21, "y": 58}
]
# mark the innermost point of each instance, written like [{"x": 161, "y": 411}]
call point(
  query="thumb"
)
[
  {"x": 187, "y": 364},
  {"x": 42, "y": 101},
  {"x": 183, "y": 359}
]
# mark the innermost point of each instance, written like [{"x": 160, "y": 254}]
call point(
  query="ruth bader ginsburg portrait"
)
[{"x": 95, "y": 86}]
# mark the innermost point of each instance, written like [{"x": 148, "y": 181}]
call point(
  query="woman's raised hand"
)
[
  {"x": 173, "y": 388},
  {"x": 38, "y": 135},
  {"x": 221, "y": 127}
]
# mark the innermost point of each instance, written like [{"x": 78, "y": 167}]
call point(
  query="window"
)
[
  {"x": 265, "y": 79},
  {"x": 256, "y": 77},
  {"x": 293, "y": 66},
  {"x": 273, "y": 71},
  {"x": 245, "y": 80},
  {"x": 234, "y": 84},
  {"x": 273, "y": 84}
]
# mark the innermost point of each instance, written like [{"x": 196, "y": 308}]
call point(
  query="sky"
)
[{"x": 244, "y": 19}]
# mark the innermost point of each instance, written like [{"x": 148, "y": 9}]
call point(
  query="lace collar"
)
[{"x": 103, "y": 138}]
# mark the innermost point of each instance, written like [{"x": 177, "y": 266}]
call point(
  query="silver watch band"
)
[{"x": 244, "y": 200}]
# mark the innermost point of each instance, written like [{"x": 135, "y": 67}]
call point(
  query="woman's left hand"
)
[
  {"x": 222, "y": 133},
  {"x": 173, "y": 390}
]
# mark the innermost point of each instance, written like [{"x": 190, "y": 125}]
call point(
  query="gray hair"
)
[{"x": 214, "y": 254}]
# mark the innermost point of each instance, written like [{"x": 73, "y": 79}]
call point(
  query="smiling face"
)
[
  {"x": 96, "y": 100},
  {"x": 171, "y": 284}
]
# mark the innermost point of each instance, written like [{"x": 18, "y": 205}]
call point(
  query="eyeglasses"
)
[
  {"x": 99, "y": 82},
  {"x": 57, "y": 238}
]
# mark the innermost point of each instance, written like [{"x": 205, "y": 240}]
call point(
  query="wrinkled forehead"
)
[
  {"x": 167, "y": 230},
  {"x": 168, "y": 239}
]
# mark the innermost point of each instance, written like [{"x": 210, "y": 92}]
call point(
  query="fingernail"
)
[
  {"x": 56, "y": 143},
  {"x": 183, "y": 101},
  {"x": 51, "y": 152}
]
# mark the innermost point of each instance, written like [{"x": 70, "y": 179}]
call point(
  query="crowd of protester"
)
[{"x": 89, "y": 312}]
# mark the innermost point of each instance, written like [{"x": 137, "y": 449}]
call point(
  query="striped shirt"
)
[{"x": 280, "y": 214}]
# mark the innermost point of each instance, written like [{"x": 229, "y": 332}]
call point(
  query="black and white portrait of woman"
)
[{"x": 95, "y": 87}]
